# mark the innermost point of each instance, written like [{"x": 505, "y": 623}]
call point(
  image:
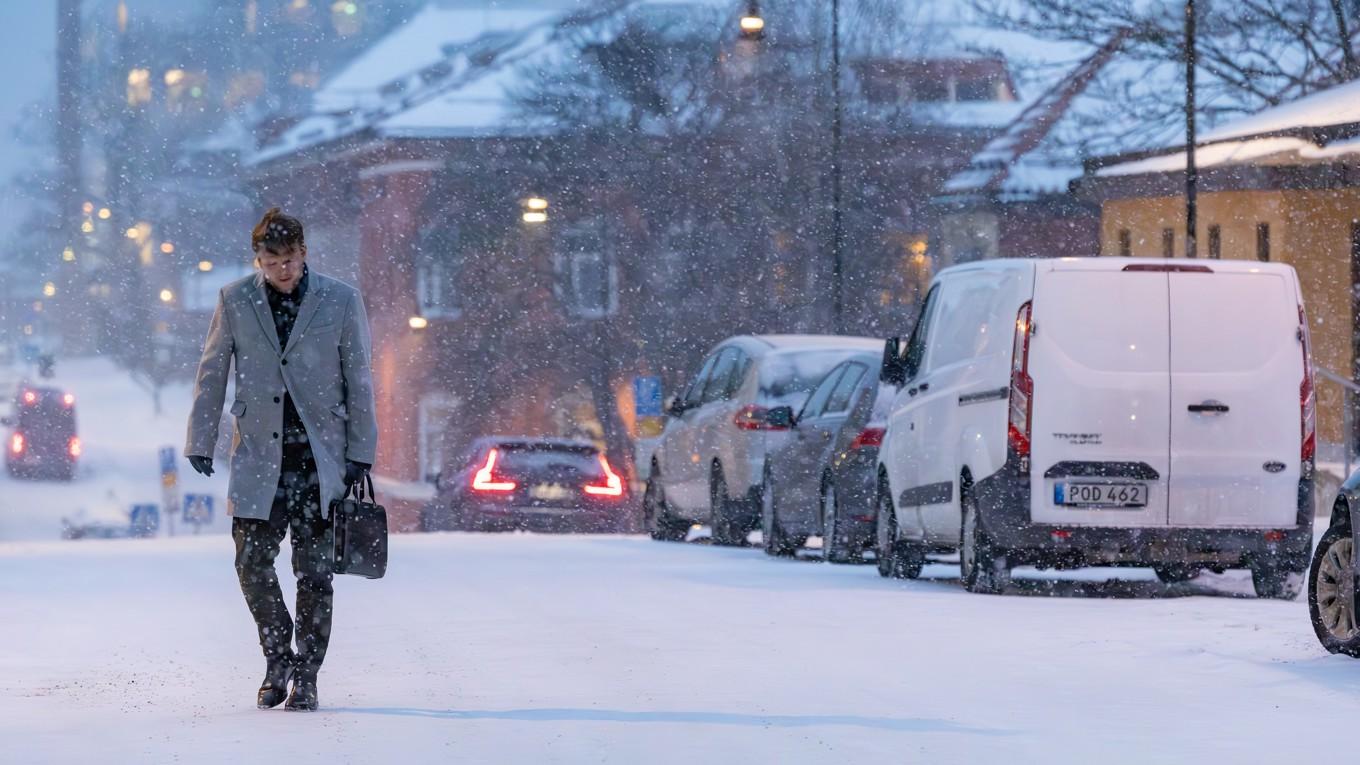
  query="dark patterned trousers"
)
[{"x": 296, "y": 512}]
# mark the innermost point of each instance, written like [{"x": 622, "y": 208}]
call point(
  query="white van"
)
[{"x": 1102, "y": 411}]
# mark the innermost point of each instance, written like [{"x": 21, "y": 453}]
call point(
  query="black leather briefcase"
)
[{"x": 360, "y": 525}]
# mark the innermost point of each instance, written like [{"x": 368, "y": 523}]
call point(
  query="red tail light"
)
[
  {"x": 1018, "y": 430},
  {"x": 30, "y": 397},
  {"x": 1307, "y": 399},
  {"x": 16, "y": 443},
  {"x": 486, "y": 479},
  {"x": 73, "y": 448},
  {"x": 69, "y": 399},
  {"x": 612, "y": 486},
  {"x": 868, "y": 437},
  {"x": 752, "y": 417}
]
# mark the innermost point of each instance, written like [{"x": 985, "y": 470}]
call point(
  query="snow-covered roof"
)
[
  {"x": 1320, "y": 127},
  {"x": 452, "y": 69}
]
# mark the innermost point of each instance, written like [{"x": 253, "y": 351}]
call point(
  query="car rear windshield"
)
[
  {"x": 786, "y": 378},
  {"x": 47, "y": 413},
  {"x": 529, "y": 458}
]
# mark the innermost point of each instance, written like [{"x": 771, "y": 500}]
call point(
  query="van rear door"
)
[
  {"x": 1236, "y": 368},
  {"x": 1099, "y": 358}
]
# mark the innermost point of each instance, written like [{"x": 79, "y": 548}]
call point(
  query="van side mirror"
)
[
  {"x": 894, "y": 369},
  {"x": 675, "y": 406},
  {"x": 780, "y": 418}
]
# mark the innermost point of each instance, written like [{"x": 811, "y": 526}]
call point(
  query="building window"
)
[
  {"x": 1215, "y": 242},
  {"x": 1125, "y": 243},
  {"x": 587, "y": 278},
  {"x": 1263, "y": 242},
  {"x": 437, "y": 289},
  {"x": 437, "y": 411},
  {"x": 1168, "y": 243}
]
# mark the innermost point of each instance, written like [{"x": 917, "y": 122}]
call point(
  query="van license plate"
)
[{"x": 1101, "y": 494}]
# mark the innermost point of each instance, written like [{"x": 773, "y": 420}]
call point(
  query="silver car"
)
[{"x": 709, "y": 463}]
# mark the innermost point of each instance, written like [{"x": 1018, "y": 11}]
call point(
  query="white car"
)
[
  {"x": 1102, "y": 411},
  {"x": 710, "y": 461}
]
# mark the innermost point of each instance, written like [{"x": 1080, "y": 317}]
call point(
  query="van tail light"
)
[
  {"x": 68, "y": 400},
  {"x": 30, "y": 398},
  {"x": 612, "y": 486},
  {"x": 752, "y": 417},
  {"x": 16, "y": 443},
  {"x": 486, "y": 479},
  {"x": 73, "y": 447},
  {"x": 1307, "y": 396},
  {"x": 1019, "y": 427},
  {"x": 869, "y": 437}
]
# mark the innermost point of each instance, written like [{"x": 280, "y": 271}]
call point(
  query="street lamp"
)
[
  {"x": 535, "y": 210},
  {"x": 418, "y": 322},
  {"x": 752, "y": 23}
]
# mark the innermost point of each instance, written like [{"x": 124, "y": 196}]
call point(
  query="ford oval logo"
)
[{"x": 1274, "y": 467}]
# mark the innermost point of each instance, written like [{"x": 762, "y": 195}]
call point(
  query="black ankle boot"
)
[
  {"x": 303, "y": 698},
  {"x": 274, "y": 689}
]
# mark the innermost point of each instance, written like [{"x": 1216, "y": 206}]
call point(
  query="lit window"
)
[
  {"x": 139, "y": 87},
  {"x": 587, "y": 278}
]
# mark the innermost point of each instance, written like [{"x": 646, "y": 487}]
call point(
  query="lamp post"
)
[
  {"x": 1191, "y": 172},
  {"x": 753, "y": 28}
]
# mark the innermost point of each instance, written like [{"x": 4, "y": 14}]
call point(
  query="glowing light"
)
[
  {"x": 69, "y": 399},
  {"x": 132, "y": 233},
  {"x": 536, "y": 203},
  {"x": 167, "y": 248},
  {"x": 174, "y": 77},
  {"x": 87, "y": 226},
  {"x": 16, "y": 443},
  {"x": 49, "y": 289},
  {"x": 418, "y": 322},
  {"x": 205, "y": 266},
  {"x": 88, "y": 207},
  {"x": 167, "y": 296},
  {"x": 752, "y": 24},
  {"x": 68, "y": 254},
  {"x": 105, "y": 213},
  {"x": 535, "y": 217}
]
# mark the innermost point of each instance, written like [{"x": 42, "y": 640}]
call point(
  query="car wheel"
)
[
  {"x": 660, "y": 524},
  {"x": 982, "y": 567},
  {"x": 835, "y": 549},
  {"x": 773, "y": 539},
  {"x": 725, "y": 533},
  {"x": 1331, "y": 593},
  {"x": 897, "y": 559},
  {"x": 1175, "y": 573}
]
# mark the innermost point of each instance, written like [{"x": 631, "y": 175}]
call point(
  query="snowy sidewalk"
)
[{"x": 529, "y": 649}]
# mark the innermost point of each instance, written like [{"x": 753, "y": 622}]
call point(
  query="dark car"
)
[
  {"x": 1332, "y": 577},
  {"x": 531, "y": 484},
  {"x": 43, "y": 442},
  {"x": 821, "y": 481}
]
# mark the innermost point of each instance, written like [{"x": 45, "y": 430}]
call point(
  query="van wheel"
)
[
  {"x": 725, "y": 532},
  {"x": 1277, "y": 582},
  {"x": 897, "y": 559},
  {"x": 1174, "y": 573},
  {"x": 1331, "y": 592},
  {"x": 982, "y": 567},
  {"x": 660, "y": 524},
  {"x": 774, "y": 540}
]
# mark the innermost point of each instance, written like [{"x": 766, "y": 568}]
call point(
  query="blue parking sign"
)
[
  {"x": 198, "y": 509},
  {"x": 647, "y": 396},
  {"x": 145, "y": 520},
  {"x": 167, "y": 459}
]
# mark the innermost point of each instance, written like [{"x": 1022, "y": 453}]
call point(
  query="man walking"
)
[{"x": 304, "y": 431}]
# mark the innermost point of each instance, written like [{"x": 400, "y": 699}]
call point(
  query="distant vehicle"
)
[
  {"x": 822, "y": 480},
  {"x": 509, "y": 483},
  {"x": 709, "y": 464},
  {"x": 1332, "y": 577},
  {"x": 43, "y": 442},
  {"x": 1103, "y": 411}
]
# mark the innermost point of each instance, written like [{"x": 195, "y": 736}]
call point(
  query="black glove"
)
[
  {"x": 355, "y": 472},
  {"x": 201, "y": 464}
]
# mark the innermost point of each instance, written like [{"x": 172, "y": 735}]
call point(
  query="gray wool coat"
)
[{"x": 325, "y": 368}]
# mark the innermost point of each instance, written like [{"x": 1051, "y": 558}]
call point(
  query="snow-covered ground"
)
[
  {"x": 121, "y": 434},
  {"x": 539, "y": 649}
]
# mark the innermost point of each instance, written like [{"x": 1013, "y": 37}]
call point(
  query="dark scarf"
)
[{"x": 285, "y": 308}]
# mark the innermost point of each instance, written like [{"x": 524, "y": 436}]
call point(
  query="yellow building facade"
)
[{"x": 1317, "y": 231}]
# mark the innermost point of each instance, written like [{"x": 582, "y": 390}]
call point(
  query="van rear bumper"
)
[{"x": 1004, "y": 511}]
